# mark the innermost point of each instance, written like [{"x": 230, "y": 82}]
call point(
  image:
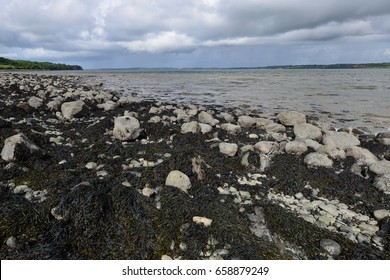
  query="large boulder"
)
[
  {"x": 74, "y": 109},
  {"x": 340, "y": 140},
  {"x": 291, "y": 118},
  {"x": 126, "y": 128},
  {"x": 19, "y": 147}
]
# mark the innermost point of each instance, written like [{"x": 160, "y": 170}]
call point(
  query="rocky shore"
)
[{"x": 91, "y": 174}]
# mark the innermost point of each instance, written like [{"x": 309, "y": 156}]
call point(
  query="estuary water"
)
[{"x": 344, "y": 98}]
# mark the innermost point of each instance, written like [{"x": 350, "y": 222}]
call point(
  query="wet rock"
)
[
  {"x": 202, "y": 220},
  {"x": 307, "y": 131},
  {"x": 291, "y": 118},
  {"x": 340, "y": 140},
  {"x": 35, "y": 102},
  {"x": 126, "y": 128},
  {"x": 381, "y": 214},
  {"x": 332, "y": 247},
  {"x": 296, "y": 147},
  {"x": 231, "y": 128},
  {"x": 381, "y": 167},
  {"x": 317, "y": 159},
  {"x": 266, "y": 147},
  {"x": 246, "y": 121},
  {"x": 19, "y": 147},
  {"x": 190, "y": 127},
  {"x": 382, "y": 183},
  {"x": 74, "y": 109},
  {"x": 179, "y": 180},
  {"x": 229, "y": 149},
  {"x": 207, "y": 118}
]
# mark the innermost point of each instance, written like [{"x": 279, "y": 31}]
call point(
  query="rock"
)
[
  {"x": 331, "y": 209},
  {"x": 205, "y": 128},
  {"x": 155, "y": 119},
  {"x": 291, "y": 118},
  {"x": 147, "y": 191},
  {"x": 307, "y": 131},
  {"x": 246, "y": 121},
  {"x": 312, "y": 144},
  {"x": 166, "y": 258},
  {"x": 381, "y": 214},
  {"x": 332, "y": 152},
  {"x": 381, "y": 167},
  {"x": 11, "y": 242},
  {"x": 266, "y": 147},
  {"x": 91, "y": 165},
  {"x": 55, "y": 104},
  {"x": 340, "y": 140},
  {"x": 274, "y": 127},
  {"x": 35, "y": 102},
  {"x": 317, "y": 159},
  {"x": 361, "y": 155},
  {"x": 179, "y": 180},
  {"x": 260, "y": 122},
  {"x": 368, "y": 229},
  {"x": 227, "y": 117},
  {"x": 231, "y": 128},
  {"x": 74, "y": 109},
  {"x": 296, "y": 147},
  {"x": 229, "y": 149},
  {"x": 332, "y": 247},
  {"x": 126, "y": 128},
  {"x": 202, "y": 220},
  {"x": 190, "y": 127},
  {"x": 382, "y": 183},
  {"x": 384, "y": 138},
  {"x": 207, "y": 118},
  {"x": 181, "y": 115},
  {"x": 108, "y": 105},
  {"x": 19, "y": 147}
]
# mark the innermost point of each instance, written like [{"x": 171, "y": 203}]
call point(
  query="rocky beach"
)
[{"x": 88, "y": 173}]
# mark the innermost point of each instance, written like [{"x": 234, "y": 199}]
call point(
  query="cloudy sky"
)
[{"x": 195, "y": 33}]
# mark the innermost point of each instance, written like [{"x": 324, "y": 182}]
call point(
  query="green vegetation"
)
[{"x": 6, "y": 63}]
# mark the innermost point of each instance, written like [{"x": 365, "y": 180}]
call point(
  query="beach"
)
[{"x": 89, "y": 172}]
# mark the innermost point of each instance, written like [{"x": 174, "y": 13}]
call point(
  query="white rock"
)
[
  {"x": 246, "y": 121},
  {"x": 179, "y": 180},
  {"x": 126, "y": 128},
  {"x": 229, "y": 149},
  {"x": 383, "y": 183},
  {"x": 332, "y": 247},
  {"x": 260, "y": 122},
  {"x": 108, "y": 105},
  {"x": 368, "y": 229},
  {"x": 13, "y": 143},
  {"x": 207, "y": 118},
  {"x": 228, "y": 117},
  {"x": 274, "y": 127},
  {"x": 166, "y": 258},
  {"x": 35, "y": 102},
  {"x": 332, "y": 152},
  {"x": 340, "y": 140},
  {"x": 381, "y": 214},
  {"x": 181, "y": 115},
  {"x": 312, "y": 144},
  {"x": 74, "y": 109},
  {"x": 291, "y": 118},
  {"x": 205, "y": 128},
  {"x": 361, "y": 155},
  {"x": 11, "y": 242},
  {"x": 266, "y": 147},
  {"x": 91, "y": 165},
  {"x": 155, "y": 110},
  {"x": 190, "y": 127},
  {"x": 307, "y": 131},
  {"x": 381, "y": 167},
  {"x": 331, "y": 209},
  {"x": 147, "y": 191},
  {"x": 296, "y": 147},
  {"x": 202, "y": 220},
  {"x": 317, "y": 159},
  {"x": 231, "y": 128}
]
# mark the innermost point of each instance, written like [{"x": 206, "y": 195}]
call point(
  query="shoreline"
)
[{"x": 248, "y": 187}]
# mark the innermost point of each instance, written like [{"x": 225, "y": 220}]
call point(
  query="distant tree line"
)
[{"x": 6, "y": 63}]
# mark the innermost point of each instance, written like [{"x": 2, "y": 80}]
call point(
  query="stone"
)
[
  {"x": 55, "y": 104},
  {"x": 384, "y": 138},
  {"x": 361, "y": 155},
  {"x": 382, "y": 183},
  {"x": 179, "y": 180},
  {"x": 155, "y": 119},
  {"x": 202, "y": 220},
  {"x": 296, "y": 147},
  {"x": 331, "y": 247},
  {"x": 291, "y": 118},
  {"x": 35, "y": 102},
  {"x": 205, "y": 128},
  {"x": 147, "y": 191},
  {"x": 11, "y": 242},
  {"x": 316, "y": 160},
  {"x": 340, "y": 140},
  {"x": 126, "y": 128},
  {"x": 260, "y": 122},
  {"x": 274, "y": 127},
  {"x": 190, "y": 127},
  {"x": 331, "y": 209},
  {"x": 312, "y": 144},
  {"x": 19, "y": 147},
  {"x": 307, "y": 131},
  {"x": 181, "y": 115},
  {"x": 108, "y": 105},
  {"x": 266, "y": 147},
  {"x": 166, "y": 258},
  {"x": 381, "y": 214},
  {"x": 368, "y": 229},
  {"x": 331, "y": 152},
  {"x": 91, "y": 165},
  {"x": 246, "y": 121},
  {"x": 207, "y": 118},
  {"x": 229, "y": 149},
  {"x": 381, "y": 167},
  {"x": 74, "y": 109},
  {"x": 231, "y": 128}
]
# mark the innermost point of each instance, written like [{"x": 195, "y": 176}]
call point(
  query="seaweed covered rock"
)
[{"x": 19, "y": 147}]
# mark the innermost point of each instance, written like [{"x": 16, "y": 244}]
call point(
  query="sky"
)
[{"x": 195, "y": 33}]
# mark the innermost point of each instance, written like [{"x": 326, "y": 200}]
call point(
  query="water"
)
[{"x": 344, "y": 98}]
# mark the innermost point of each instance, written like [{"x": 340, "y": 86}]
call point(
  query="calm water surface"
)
[{"x": 345, "y": 98}]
